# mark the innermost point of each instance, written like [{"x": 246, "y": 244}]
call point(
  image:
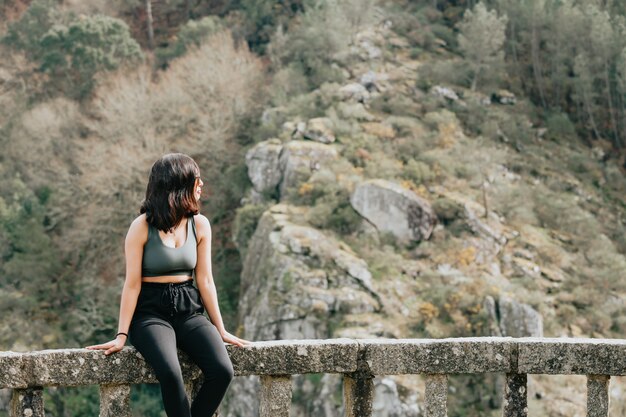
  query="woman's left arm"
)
[{"x": 205, "y": 282}]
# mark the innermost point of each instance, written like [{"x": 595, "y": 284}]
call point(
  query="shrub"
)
[
  {"x": 73, "y": 54},
  {"x": 333, "y": 211},
  {"x": 417, "y": 171},
  {"x": 560, "y": 127},
  {"x": 395, "y": 104},
  {"x": 25, "y": 34},
  {"x": 319, "y": 39},
  {"x": 246, "y": 220},
  {"x": 193, "y": 33}
]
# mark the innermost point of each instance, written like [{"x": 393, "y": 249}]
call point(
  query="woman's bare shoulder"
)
[
  {"x": 203, "y": 226},
  {"x": 138, "y": 229}
]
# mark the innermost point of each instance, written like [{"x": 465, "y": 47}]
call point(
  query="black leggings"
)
[{"x": 168, "y": 316}]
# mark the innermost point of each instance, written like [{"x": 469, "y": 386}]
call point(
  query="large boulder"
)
[
  {"x": 519, "y": 320},
  {"x": 320, "y": 129},
  {"x": 393, "y": 208},
  {"x": 272, "y": 164},
  {"x": 508, "y": 317},
  {"x": 299, "y": 159},
  {"x": 263, "y": 167}
]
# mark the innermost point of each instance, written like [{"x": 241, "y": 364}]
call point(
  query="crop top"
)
[{"x": 159, "y": 259}]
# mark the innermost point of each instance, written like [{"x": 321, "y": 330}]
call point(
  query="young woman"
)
[{"x": 160, "y": 308}]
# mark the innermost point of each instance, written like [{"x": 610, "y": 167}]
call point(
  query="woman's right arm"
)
[{"x": 133, "y": 249}]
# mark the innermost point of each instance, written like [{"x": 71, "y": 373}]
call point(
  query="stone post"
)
[
  {"x": 598, "y": 395},
  {"x": 436, "y": 395},
  {"x": 358, "y": 393},
  {"x": 27, "y": 402},
  {"x": 515, "y": 396},
  {"x": 275, "y": 396},
  {"x": 115, "y": 401}
]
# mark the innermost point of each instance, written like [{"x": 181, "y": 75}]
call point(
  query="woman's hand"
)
[
  {"x": 229, "y": 338},
  {"x": 114, "y": 345}
]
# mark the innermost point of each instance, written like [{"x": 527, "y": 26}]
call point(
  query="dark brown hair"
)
[{"x": 170, "y": 192}]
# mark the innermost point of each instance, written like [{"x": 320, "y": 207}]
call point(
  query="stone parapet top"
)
[{"x": 74, "y": 367}]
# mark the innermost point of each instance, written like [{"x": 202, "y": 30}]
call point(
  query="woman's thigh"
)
[
  {"x": 200, "y": 339},
  {"x": 155, "y": 339}
]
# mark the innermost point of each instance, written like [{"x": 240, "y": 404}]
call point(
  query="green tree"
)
[
  {"x": 193, "y": 33},
  {"x": 25, "y": 33},
  {"x": 263, "y": 17},
  {"x": 482, "y": 39},
  {"x": 30, "y": 268},
  {"x": 74, "y": 53}
]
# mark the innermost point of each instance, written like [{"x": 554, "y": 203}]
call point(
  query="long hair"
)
[{"x": 170, "y": 191}]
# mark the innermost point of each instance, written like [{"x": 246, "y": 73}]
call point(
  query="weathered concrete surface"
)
[
  {"x": 436, "y": 401},
  {"x": 275, "y": 398},
  {"x": 571, "y": 356},
  {"x": 13, "y": 369},
  {"x": 27, "y": 403},
  {"x": 422, "y": 356},
  {"x": 358, "y": 395},
  {"x": 295, "y": 357},
  {"x": 598, "y": 395},
  {"x": 73, "y": 367},
  {"x": 115, "y": 401},
  {"x": 515, "y": 395}
]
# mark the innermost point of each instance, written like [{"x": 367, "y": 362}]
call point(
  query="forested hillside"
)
[{"x": 503, "y": 121}]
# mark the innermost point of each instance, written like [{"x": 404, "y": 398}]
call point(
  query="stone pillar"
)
[
  {"x": 436, "y": 395},
  {"x": 115, "y": 401},
  {"x": 515, "y": 396},
  {"x": 598, "y": 395},
  {"x": 275, "y": 396},
  {"x": 358, "y": 394},
  {"x": 27, "y": 402}
]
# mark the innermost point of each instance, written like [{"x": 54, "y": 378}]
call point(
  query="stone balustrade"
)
[{"x": 359, "y": 360}]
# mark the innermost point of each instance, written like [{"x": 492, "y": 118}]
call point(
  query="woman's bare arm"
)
[
  {"x": 205, "y": 282},
  {"x": 133, "y": 250}
]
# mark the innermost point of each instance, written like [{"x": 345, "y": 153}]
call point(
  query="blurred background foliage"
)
[{"x": 93, "y": 92}]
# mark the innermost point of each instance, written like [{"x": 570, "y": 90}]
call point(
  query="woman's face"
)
[{"x": 198, "y": 188}]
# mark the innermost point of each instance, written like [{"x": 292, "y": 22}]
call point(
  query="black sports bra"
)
[{"x": 159, "y": 260}]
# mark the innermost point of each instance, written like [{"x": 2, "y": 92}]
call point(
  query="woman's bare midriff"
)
[{"x": 167, "y": 279}]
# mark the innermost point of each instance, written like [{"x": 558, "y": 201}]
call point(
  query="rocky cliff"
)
[{"x": 383, "y": 217}]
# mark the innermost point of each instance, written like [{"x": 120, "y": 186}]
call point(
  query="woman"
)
[{"x": 160, "y": 308}]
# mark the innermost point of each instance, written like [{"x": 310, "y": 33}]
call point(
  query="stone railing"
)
[{"x": 359, "y": 360}]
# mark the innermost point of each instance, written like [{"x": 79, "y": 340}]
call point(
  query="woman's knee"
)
[
  {"x": 222, "y": 371},
  {"x": 169, "y": 377}
]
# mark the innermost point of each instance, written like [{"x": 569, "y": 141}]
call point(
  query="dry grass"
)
[{"x": 98, "y": 157}]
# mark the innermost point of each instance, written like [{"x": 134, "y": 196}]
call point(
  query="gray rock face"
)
[
  {"x": 272, "y": 164},
  {"x": 354, "y": 91},
  {"x": 300, "y": 158},
  {"x": 320, "y": 129},
  {"x": 519, "y": 320},
  {"x": 392, "y": 208},
  {"x": 296, "y": 283},
  {"x": 263, "y": 167},
  {"x": 444, "y": 92},
  {"x": 386, "y": 401},
  {"x": 507, "y": 317},
  {"x": 294, "y": 277}
]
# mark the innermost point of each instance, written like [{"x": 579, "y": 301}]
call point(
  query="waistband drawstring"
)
[{"x": 171, "y": 291}]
